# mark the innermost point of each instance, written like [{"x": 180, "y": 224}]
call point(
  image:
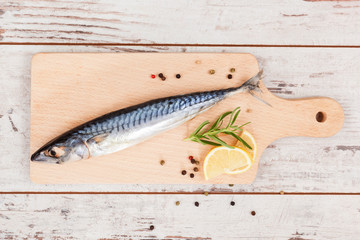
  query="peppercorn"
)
[
  {"x": 206, "y": 193},
  {"x": 178, "y": 76},
  {"x": 232, "y": 69},
  {"x": 152, "y": 76},
  {"x": 152, "y": 227},
  {"x": 197, "y": 204},
  {"x": 191, "y": 157},
  {"x": 231, "y": 185},
  {"x": 229, "y": 76},
  {"x": 196, "y": 169},
  {"x": 162, "y": 76},
  {"x": 177, "y": 203},
  {"x": 193, "y": 161},
  {"x": 162, "y": 162},
  {"x": 212, "y": 71},
  {"x": 253, "y": 213},
  {"x": 183, "y": 172},
  {"x": 232, "y": 203},
  {"x": 197, "y": 162},
  {"x": 192, "y": 175}
]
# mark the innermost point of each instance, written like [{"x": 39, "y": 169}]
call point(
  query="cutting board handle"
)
[{"x": 311, "y": 117}]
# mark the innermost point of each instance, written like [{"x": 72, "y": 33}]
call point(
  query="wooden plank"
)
[
  {"x": 131, "y": 217},
  {"x": 293, "y": 164},
  {"x": 80, "y": 87},
  {"x": 206, "y": 22}
]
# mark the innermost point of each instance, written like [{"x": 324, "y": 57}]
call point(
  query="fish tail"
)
[
  {"x": 253, "y": 83},
  {"x": 251, "y": 86}
]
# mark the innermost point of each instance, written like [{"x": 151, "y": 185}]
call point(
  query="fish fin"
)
[
  {"x": 253, "y": 84},
  {"x": 259, "y": 98},
  {"x": 98, "y": 139}
]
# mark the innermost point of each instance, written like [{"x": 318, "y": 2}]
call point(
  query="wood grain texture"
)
[
  {"x": 80, "y": 87},
  {"x": 276, "y": 22},
  {"x": 130, "y": 217},
  {"x": 292, "y": 164}
]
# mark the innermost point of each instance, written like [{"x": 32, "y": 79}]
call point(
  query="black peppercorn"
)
[
  {"x": 196, "y": 169},
  {"x": 232, "y": 203},
  {"x": 253, "y": 213},
  {"x": 193, "y": 161},
  {"x": 152, "y": 227},
  {"x": 229, "y": 76},
  {"x": 162, "y": 76},
  {"x": 183, "y": 172},
  {"x": 197, "y": 204},
  {"x": 192, "y": 175},
  {"x": 178, "y": 76}
]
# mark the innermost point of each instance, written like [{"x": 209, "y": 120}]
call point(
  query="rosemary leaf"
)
[
  {"x": 221, "y": 142},
  {"x": 205, "y": 136},
  {"x": 231, "y": 120},
  {"x": 200, "y": 127},
  {"x": 209, "y": 142},
  {"x": 235, "y": 117},
  {"x": 240, "y": 139},
  {"x": 219, "y": 119}
]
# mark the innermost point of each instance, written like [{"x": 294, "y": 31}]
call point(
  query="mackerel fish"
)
[{"x": 129, "y": 126}]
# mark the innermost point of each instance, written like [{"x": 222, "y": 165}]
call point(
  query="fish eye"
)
[
  {"x": 52, "y": 153},
  {"x": 55, "y": 152}
]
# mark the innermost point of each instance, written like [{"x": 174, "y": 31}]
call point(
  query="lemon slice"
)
[
  {"x": 249, "y": 139},
  {"x": 222, "y": 160}
]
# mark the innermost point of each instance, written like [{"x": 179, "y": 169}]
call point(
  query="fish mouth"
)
[
  {"x": 35, "y": 157},
  {"x": 40, "y": 157}
]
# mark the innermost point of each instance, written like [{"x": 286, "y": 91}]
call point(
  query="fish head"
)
[{"x": 60, "y": 151}]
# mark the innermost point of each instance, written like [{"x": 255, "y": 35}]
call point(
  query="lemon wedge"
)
[
  {"x": 222, "y": 160},
  {"x": 249, "y": 139}
]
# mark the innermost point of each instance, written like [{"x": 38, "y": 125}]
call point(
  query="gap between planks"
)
[
  {"x": 184, "y": 193},
  {"x": 180, "y": 45}
]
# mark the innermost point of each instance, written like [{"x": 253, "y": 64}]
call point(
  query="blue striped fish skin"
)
[{"x": 126, "y": 127}]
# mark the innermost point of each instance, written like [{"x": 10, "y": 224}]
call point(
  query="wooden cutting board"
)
[{"x": 68, "y": 89}]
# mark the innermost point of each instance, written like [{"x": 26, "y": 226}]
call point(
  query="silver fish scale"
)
[{"x": 127, "y": 118}]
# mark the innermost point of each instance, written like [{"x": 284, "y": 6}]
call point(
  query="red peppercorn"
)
[
  {"x": 191, "y": 157},
  {"x": 152, "y": 76}
]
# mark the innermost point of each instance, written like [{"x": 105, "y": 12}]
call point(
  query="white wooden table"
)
[{"x": 307, "y": 48}]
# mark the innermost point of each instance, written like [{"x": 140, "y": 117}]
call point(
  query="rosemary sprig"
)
[{"x": 210, "y": 136}]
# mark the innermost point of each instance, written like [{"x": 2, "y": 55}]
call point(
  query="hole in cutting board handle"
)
[{"x": 320, "y": 117}]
